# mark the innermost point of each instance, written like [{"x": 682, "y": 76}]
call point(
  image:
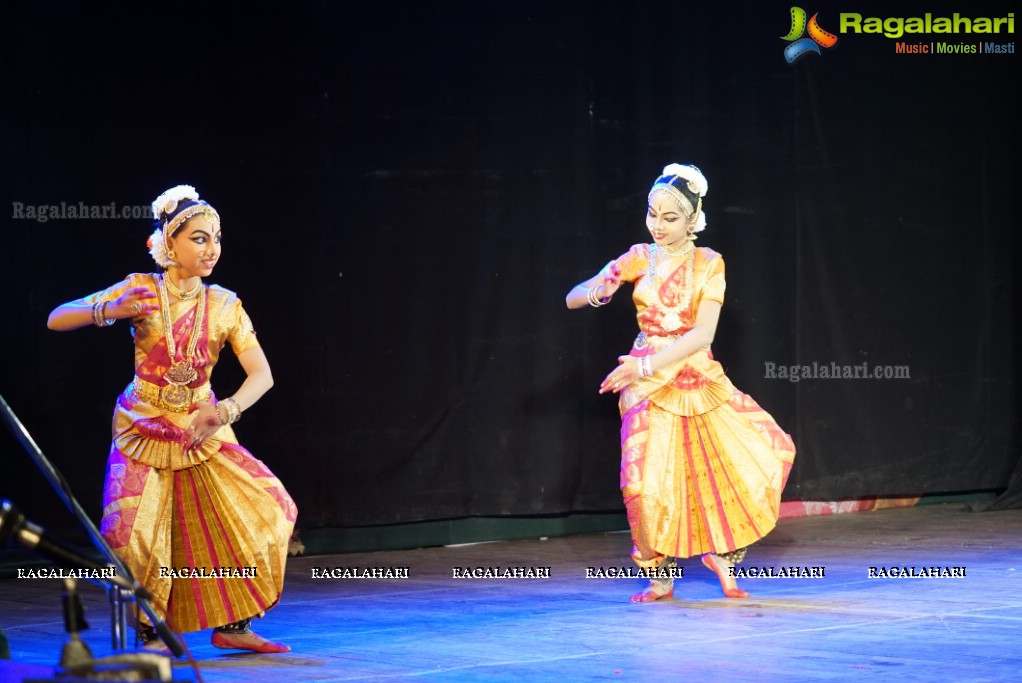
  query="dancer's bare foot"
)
[
  {"x": 719, "y": 566},
  {"x": 151, "y": 642},
  {"x": 246, "y": 641},
  {"x": 654, "y": 592},
  {"x": 156, "y": 647}
]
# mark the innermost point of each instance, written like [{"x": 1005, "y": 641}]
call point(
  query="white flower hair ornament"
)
[
  {"x": 700, "y": 221},
  {"x": 167, "y": 202},
  {"x": 158, "y": 248},
  {"x": 692, "y": 176}
]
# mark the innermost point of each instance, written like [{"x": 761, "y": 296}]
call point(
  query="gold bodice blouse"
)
[
  {"x": 666, "y": 304},
  {"x": 145, "y": 428}
]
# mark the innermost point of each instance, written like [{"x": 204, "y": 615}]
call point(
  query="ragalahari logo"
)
[{"x": 800, "y": 46}]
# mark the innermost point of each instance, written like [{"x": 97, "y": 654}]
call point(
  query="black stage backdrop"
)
[{"x": 409, "y": 190}]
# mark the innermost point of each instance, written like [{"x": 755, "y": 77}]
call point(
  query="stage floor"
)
[{"x": 430, "y": 626}]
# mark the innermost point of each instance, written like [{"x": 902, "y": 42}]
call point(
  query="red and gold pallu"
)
[
  {"x": 702, "y": 465},
  {"x": 171, "y": 514}
]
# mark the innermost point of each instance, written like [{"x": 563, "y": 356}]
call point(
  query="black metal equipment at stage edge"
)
[{"x": 77, "y": 662}]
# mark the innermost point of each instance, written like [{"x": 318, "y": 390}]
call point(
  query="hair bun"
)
[
  {"x": 167, "y": 202},
  {"x": 693, "y": 177}
]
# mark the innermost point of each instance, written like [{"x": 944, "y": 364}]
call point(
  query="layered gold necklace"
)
[
  {"x": 181, "y": 372},
  {"x": 671, "y": 320},
  {"x": 676, "y": 251},
  {"x": 190, "y": 294}
]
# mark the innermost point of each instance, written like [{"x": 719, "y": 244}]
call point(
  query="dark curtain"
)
[
  {"x": 905, "y": 174},
  {"x": 409, "y": 190}
]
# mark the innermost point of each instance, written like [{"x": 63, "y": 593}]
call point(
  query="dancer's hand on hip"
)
[
  {"x": 625, "y": 373},
  {"x": 206, "y": 420}
]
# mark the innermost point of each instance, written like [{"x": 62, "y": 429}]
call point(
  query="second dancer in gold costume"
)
[{"x": 702, "y": 465}]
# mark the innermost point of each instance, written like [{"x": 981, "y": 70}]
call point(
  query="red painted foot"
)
[
  {"x": 729, "y": 591},
  {"x": 157, "y": 647},
  {"x": 246, "y": 641},
  {"x": 649, "y": 595}
]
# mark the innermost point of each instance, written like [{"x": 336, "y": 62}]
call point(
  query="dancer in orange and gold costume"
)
[
  {"x": 702, "y": 465},
  {"x": 201, "y": 523}
]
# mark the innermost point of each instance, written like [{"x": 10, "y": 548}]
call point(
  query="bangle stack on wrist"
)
[
  {"x": 645, "y": 370},
  {"x": 593, "y": 300},
  {"x": 232, "y": 409},
  {"x": 99, "y": 318}
]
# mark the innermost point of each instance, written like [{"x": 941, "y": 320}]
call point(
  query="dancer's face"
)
[
  {"x": 667, "y": 221},
  {"x": 197, "y": 246}
]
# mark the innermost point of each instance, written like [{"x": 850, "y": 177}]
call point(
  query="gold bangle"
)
[
  {"x": 233, "y": 410},
  {"x": 99, "y": 318},
  {"x": 593, "y": 300}
]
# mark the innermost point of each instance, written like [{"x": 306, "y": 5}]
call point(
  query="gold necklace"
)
[
  {"x": 671, "y": 320},
  {"x": 190, "y": 294},
  {"x": 688, "y": 246},
  {"x": 181, "y": 372}
]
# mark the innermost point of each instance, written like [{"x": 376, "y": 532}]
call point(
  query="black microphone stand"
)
[
  {"x": 77, "y": 658},
  {"x": 78, "y": 664}
]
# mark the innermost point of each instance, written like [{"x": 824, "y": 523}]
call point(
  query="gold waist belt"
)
[
  {"x": 642, "y": 341},
  {"x": 175, "y": 398}
]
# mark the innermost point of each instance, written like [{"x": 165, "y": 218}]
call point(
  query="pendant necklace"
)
[
  {"x": 181, "y": 372},
  {"x": 190, "y": 294},
  {"x": 671, "y": 320}
]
